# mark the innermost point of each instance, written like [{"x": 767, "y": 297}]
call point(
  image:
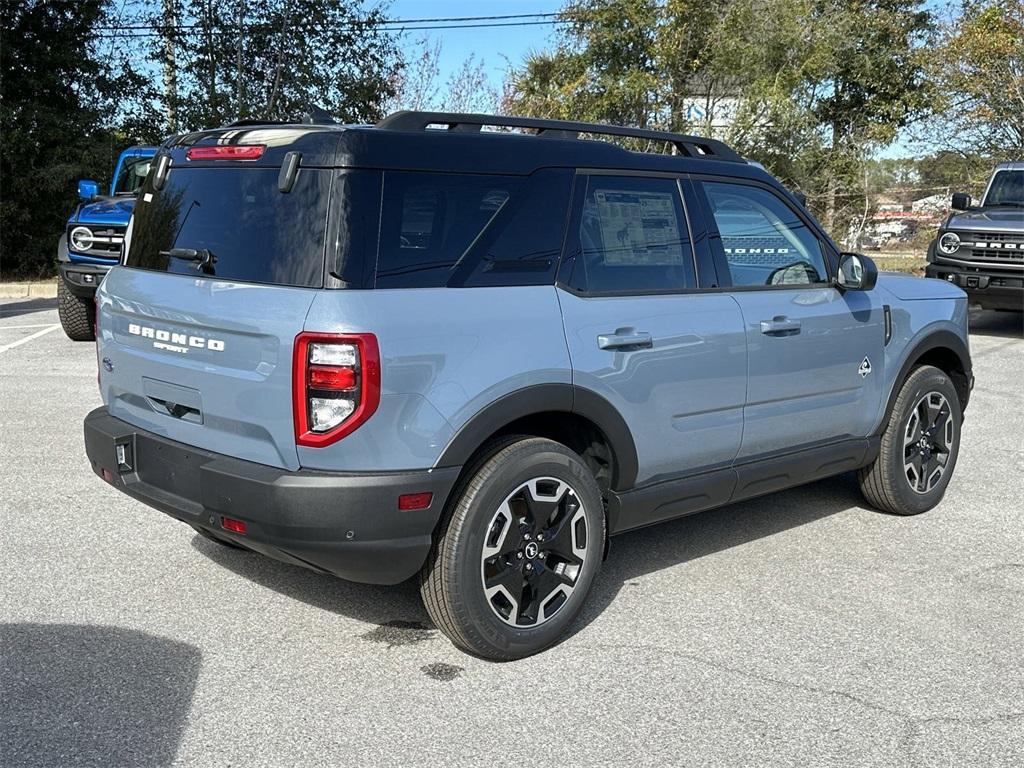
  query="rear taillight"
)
[
  {"x": 336, "y": 385},
  {"x": 226, "y": 152}
]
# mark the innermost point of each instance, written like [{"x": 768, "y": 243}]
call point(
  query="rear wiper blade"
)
[{"x": 204, "y": 256}]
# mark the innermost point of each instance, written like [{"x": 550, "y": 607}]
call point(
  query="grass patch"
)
[{"x": 911, "y": 264}]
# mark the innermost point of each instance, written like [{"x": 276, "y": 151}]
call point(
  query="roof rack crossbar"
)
[{"x": 691, "y": 146}]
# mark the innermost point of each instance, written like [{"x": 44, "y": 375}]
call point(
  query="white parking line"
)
[
  {"x": 29, "y": 338},
  {"x": 14, "y": 327}
]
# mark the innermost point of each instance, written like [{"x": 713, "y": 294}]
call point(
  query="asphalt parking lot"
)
[{"x": 797, "y": 629}]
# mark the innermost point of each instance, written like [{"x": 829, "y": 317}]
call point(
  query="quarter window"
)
[
  {"x": 429, "y": 221},
  {"x": 764, "y": 241},
  {"x": 633, "y": 237}
]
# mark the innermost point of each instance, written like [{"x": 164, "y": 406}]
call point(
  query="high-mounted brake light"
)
[
  {"x": 226, "y": 152},
  {"x": 335, "y": 385}
]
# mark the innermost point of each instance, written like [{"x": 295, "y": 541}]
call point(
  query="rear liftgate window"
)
[
  {"x": 234, "y": 224},
  {"x": 463, "y": 230}
]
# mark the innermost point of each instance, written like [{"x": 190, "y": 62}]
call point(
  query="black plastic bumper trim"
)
[
  {"x": 346, "y": 524},
  {"x": 83, "y": 279},
  {"x": 992, "y": 289}
]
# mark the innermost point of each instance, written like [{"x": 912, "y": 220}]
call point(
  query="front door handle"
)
[
  {"x": 780, "y": 325},
  {"x": 625, "y": 338}
]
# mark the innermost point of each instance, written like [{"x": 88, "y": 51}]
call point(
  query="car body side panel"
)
[
  {"x": 446, "y": 353},
  {"x": 682, "y": 397},
  {"x": 813, "y": 386},
  {"x": 912, "y": 323}
]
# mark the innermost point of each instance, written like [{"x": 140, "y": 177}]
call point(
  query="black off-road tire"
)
[
  {"x": 884, "y": 482},
  {"x": 451, "y": 582},
  {"x": 77, "y": 314}
]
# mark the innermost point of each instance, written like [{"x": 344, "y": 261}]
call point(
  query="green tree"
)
[
  {"x": 61, "y": 119},
  {"x": 603, "y": 68},
  {"x": 979, "y": 75},
  {"x": 271, "y": 59},
  {"x": 810, "y": 88}
]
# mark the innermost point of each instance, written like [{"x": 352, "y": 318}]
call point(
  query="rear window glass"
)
[
  {"x": 237, "y": 223},
  {"x": 429, "y": 221}
]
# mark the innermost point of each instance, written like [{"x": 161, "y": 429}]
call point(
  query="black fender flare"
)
[
  {"x": 546, "y": 398},
  {"x": 941, "y": 339}
]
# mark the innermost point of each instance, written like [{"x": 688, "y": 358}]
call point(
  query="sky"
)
[{"x": 496, "y": 46}]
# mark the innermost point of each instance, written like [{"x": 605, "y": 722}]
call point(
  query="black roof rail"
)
[{"x": 691, "y": 146}]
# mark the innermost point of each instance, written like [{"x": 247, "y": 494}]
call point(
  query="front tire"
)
[
  {"x": 919, "y": 446},
  {"x": 77, "y": 314},
  {"x": 518, "y": 551}
]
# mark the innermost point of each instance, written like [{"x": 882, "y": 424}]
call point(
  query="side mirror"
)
[
  {"x": 856, "y": 272},
  {"x": 961, "y": 201},
  {"x": 88, "y": 189}
]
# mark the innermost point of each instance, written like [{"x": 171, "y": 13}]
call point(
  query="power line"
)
[
  {"x": 139, "y": 35},
  {"x": 358, "y": 22},
  {"x": 383, "y": 23}
]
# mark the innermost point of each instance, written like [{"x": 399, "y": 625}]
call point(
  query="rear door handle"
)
[
  {"x": 780, "y": 325},
  {"x": 625, "y": 338}
]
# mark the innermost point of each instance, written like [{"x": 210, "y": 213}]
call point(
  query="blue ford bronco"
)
[
  {"x": 429, "y": 348},
  {"x": 91, "y": 242},
  {"x": 981, "y": 248}
]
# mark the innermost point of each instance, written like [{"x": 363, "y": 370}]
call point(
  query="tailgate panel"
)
[{"x": 202, "y": 361}]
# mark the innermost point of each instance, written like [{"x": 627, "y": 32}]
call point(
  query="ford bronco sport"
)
[
  {"x": 473, "y": 355},
  {"x": 981, "y": 248},
  {"x": 91, "y": 242}
]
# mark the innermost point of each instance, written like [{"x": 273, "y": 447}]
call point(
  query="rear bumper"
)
[
  {"x": 83, "y": 279},
  {"x": 991, "y": 288},
  {"x": 346, "y": 524}
]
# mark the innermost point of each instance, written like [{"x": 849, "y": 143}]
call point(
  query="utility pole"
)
[
  {"x": 170, "y": 68},
  {"x": 240, "y": 32}
]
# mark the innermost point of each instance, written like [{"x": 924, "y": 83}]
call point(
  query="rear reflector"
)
[
  {"x": 411, "y": 501},
  {"x": 230, "y": 524},
  {"x": 108, "y": 476},
  {"x": 226, "y": 152}
]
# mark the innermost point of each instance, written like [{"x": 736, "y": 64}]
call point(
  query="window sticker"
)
[{"x": 638, "y": 228}]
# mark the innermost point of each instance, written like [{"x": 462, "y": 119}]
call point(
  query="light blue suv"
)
[{"x": 471, "y": 348}]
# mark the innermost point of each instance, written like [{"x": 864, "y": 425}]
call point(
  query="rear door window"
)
[
  {"x": 250, "y": 230},
  {"x": 633, "y": 237}
]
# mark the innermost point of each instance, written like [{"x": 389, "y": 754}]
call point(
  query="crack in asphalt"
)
[{"x": 912, "y": 725}]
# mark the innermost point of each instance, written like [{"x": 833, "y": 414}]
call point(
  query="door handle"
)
[
  {"x": 625, "y": 338},
  {"x": 780, "y": 325}
]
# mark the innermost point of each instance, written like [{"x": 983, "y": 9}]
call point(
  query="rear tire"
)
[
  {"x": 77, "y": 314},
  {"x": 518, "y": 551},
  {"x": 919, "y": 446}
]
